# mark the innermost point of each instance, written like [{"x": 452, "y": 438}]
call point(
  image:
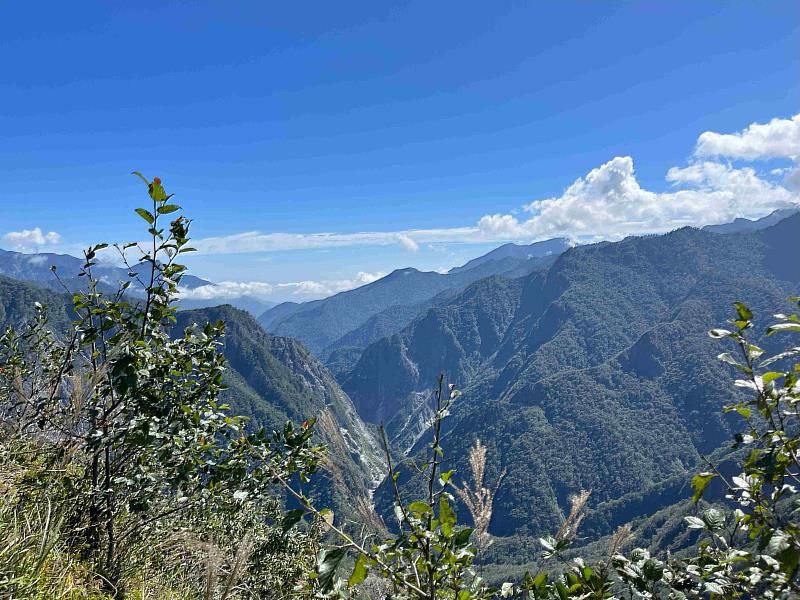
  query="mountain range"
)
[
  {"x": 584, "y": 367},
  {"x": 343, "y": 324},
  {"x": 596, "y": 373},
  {"x": 38, "y": 268},
  {"x": 270, "y": 380}
]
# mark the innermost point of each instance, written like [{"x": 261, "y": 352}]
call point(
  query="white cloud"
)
[
  {"x": 609, "y": 203},
  {"x": 37, "y": 259},
  {"x": 30, "y": 240},
  {"x": 227, "y": 290},
  {"x": 780, "y": 138},
  {"x": 326, "y": 288},
  {"x": 407, "y": 243},
  {"x": 256, "y": 241}
]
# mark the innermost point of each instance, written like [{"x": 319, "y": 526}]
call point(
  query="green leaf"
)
[
  {"x": 726, "y": 357},
  {"x": 563, "y": 593},
  {"x": 744, "y": 313},
  {"x": 146, "y": 215},
  {"x": 714, "y": 518},
  {"x": 328, "y": 561},
  {"x": 694, "y": 522},
  {"x": 420, "y": 507},
  {"x": 168, "y": 208},
  {"x": 157, "y": 192},
  {"x": 140, "y": 176},
  {"x": 714, "y": 588},
  {"x": 462, "y": 537},
  {"x": 653, "y": 569},
  {"x": 548, "y": 543},
  {"x": 445, "y": 477},
  {"x": 446, "y": 514},
  {"x": 291, "y": 518},
  {"x": 699, "y": 484},
  {"x": 719, "y": 333},
  {"x": 782, "y": 327},
  {"x": 771, "y": 376},
  {"x": 359, "y": 571}
]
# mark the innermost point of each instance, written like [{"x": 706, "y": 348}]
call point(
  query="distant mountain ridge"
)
[
  {"x": 332, "y": 323},
  {"x": 523, "y": 252},
  {"x": 741, "y": 225},
  {"x": 36, "y": 268}
]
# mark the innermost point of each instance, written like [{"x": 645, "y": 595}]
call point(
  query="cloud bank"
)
[
  {"x": 606, "y": 203},
  {"x": 227, "y": 290},
  {"x": 30, "y": 240}
]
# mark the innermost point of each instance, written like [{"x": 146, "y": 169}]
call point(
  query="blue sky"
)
[{"x": 434, "y": 128}]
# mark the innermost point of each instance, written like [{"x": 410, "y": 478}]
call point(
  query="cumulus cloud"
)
[
  {"x": 30, "y": 240},
  {"x": 609, "y": 203},
  {"x": 227, "y": 290},
  {"x": 780, "y": 138}
]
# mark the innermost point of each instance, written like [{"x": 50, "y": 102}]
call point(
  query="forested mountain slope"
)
[
  {"x": 273, "y": 379},
  {"x": 18, "y": 304},
  {"x": 595, "y": 374}
]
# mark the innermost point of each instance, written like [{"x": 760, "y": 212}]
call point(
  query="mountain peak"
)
[{"x": 521, "y": 252}]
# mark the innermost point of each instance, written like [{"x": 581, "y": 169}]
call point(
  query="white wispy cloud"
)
[
  {"x": 227, "y": 290},
  {"x": 256, "y": 241},
  {"x": 30, "y": 240},
  {"x": 407, "y": 243}
]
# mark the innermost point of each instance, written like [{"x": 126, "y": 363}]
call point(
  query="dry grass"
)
[{"x": 479, "y": 499}]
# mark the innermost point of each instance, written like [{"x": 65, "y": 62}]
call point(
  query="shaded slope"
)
[{"x": 272, "y": 379}]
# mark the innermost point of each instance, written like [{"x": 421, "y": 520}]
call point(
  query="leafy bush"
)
[{"x": 125, "y": 450}]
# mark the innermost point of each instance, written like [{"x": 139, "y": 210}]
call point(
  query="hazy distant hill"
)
[
  {"x": 596, "y": 373},
  {"x": 523, "y": 252},
  {"x": 743, "y": 225},
  {"x": 18, "y": 299},
  {"x": 36, "y": 268},
  {"x": 327, "y": 325}
]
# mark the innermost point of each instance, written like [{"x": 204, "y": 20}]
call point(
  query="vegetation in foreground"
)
[{"x": 123, "y": 475}]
